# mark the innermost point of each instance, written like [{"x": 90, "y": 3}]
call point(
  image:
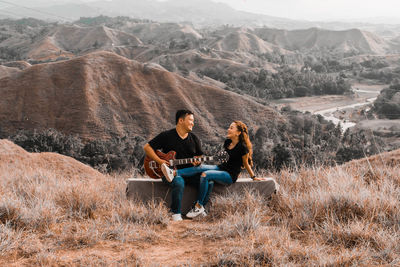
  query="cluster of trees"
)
[
  {"x": 310, "y": 140},
  {"x": 387, "y": 105},
  {"x": 9, "y": 53},
  {"x": 287, "y": 82},
  {"x": 115, "y": 154},
  {"x": 112, "y": 22},
  {"x": 302, "y": 139},
  {"x": 374, "y": 63},
  {"x": 358, "y": 144},
  {"x": 370, "y": 68},
  {"x": 382, "y": 76},
  {"x": 326, "y": 65}
]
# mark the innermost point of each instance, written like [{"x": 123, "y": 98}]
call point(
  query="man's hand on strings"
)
[{"x": 197, "y": 162}]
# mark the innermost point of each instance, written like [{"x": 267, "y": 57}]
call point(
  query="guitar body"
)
[{"x": 152, "y": 168}]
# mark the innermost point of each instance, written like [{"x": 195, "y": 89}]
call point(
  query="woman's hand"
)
[{"x": 259, "y": 179}]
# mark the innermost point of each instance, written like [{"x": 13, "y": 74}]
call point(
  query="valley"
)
[
  {"x": 86, "y": 84},
  {"x": 100, "y": 78}
]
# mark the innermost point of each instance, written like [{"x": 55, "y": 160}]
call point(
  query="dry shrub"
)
[
  {"x": 79, "y": 235},
  {"x": 337, "y": 207},
  {"x": 236, "y": 202},
  {"x": 235, "y": 215},
  {"x": 99, "y": 259},
  {"x": 149, "y": 213},
  {"x": 30, "y": 245},
  {"x": 336, "y": 195},
  {"x": 274, "y": 247},
  {"x": 9, "y": 211},
  {"x": 235, "y": 225},
  {"x": 128, "y": 233},
  {"x": 9, "y": 238},
  {"x": 36, "y": 215},
  {"x": 46, "y": 258},
  {"x": 345, "y": 257},
  {"x": 363, "y": 234},
  {"x": 268, "y": 254},
  {"x": 79, "y": 200},
  {"x": 27, "y": 202},
  {"x": 354, "y": 234}
]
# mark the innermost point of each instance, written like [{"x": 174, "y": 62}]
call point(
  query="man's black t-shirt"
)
[
  {"x": 184, "y": 148},
  {"x": 235, "y": 162}
]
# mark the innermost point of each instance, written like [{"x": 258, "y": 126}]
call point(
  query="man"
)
[{"x": 186, "y": 145}]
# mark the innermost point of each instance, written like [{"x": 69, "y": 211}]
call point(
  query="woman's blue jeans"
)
[{"x": 209, "y": 175}]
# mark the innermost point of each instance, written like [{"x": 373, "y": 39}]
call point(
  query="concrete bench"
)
[{"x": 147, "y": 189}]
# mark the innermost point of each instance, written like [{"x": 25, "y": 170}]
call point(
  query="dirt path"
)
[{"x": 178, "y": 244}]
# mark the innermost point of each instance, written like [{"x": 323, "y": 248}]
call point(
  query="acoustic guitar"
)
[{"x": 153, "y": 169}]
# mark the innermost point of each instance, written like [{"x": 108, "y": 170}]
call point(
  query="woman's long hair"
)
[{"x": 244, "y": 138}]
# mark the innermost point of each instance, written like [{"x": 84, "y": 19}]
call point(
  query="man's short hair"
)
[{"x": 182, "y": 113}]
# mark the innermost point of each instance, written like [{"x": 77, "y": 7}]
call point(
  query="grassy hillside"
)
[{"x": 56, "y": 211}]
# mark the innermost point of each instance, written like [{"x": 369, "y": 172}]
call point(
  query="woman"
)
[{"x": 240, "y": 151}]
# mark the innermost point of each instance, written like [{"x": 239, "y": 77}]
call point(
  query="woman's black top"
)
[{"x": 235, "y": 162}]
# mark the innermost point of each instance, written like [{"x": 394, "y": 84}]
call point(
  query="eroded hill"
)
[{"x": 102, "y": 94}]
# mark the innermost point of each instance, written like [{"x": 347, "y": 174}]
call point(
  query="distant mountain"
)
[
  {"x": 102, "y": 94},
  {"x": 67, "y": 41},
  {"x": 161, "y": 32},
  {"x": 353, "y": 40},
  {"x": 243, "y": 40}
]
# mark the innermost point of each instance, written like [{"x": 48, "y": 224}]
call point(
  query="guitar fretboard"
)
[{"x": 190, "y": 160}]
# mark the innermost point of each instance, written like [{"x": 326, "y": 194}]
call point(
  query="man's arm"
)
[{"x": 152, "y": 154}]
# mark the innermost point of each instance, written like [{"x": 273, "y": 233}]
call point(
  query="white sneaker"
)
[
  {"x": 177, "y": 217},
  {"x": 168, "y": 172},
  {"x": 196, "y": 211}
]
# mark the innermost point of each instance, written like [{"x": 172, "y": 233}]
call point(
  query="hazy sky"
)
[
  {"x": 298, "y": 9},
  {"x": 320, "y": 9}
]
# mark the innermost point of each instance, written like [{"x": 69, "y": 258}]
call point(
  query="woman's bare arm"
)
[{"x": 245, "y": 159}]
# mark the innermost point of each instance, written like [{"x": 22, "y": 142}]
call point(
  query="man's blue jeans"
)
[{"x": 178, "y": 185}]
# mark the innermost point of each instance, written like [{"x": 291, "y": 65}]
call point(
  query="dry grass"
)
[
  {"x": 43, "y": 213},
  {"x": 346, "y": 215}
]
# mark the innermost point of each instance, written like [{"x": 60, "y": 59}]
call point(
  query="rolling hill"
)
[
  {"x": 12, "y": 156},
  {"x": 102, "y": 94}
]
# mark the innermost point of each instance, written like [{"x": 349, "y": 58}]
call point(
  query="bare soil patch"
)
[{"x": 318, "y": 103}]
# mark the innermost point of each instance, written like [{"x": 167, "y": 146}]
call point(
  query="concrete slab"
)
[{"x": 147, "y": 189}]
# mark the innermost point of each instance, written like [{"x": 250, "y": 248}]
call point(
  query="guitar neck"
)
[{"x": 190, "y": 160}]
